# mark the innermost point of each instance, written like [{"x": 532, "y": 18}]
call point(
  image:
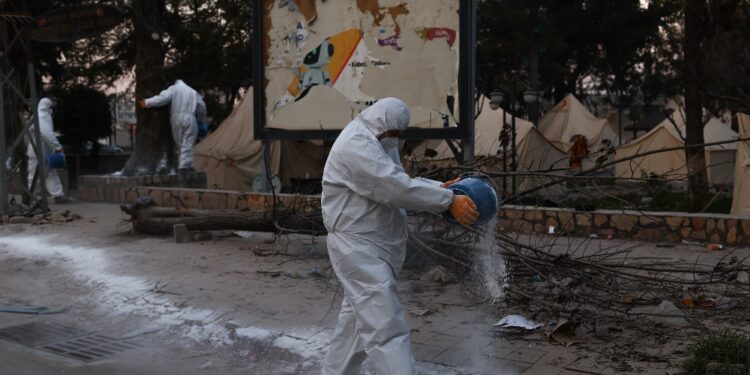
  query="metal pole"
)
[
  {"x": 619, "y": 120},
  {"x": 470, "y": 83},
  {"x": 513, "y": 136},
  {"x": 41, "y": 165},
  {"x": 4, "y": 208},
  {"x": 534, "y": 106},
  {"x": 505, "y": 155},
  {"x": 265, "y": 176}
]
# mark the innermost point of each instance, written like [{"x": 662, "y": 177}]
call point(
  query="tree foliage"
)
[
  {"x": 82, "y": 114},
  {"x": 609, "y": 45},
  {"x": 206, "y": 43}
]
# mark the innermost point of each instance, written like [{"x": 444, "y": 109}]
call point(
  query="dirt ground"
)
[{"x": 252, "y": 305}]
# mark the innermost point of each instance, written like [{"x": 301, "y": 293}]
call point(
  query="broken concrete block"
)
[{"x": 181, "y": 233}]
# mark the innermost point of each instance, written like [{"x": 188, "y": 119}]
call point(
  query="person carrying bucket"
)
[
  {"x": 52, "y": 153},
  {"x": 366, "y": 193}
]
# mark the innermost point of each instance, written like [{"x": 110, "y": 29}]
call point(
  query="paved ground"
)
[{"x": 244, "y": 305}]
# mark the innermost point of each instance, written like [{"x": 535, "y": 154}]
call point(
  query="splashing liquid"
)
[{"x": 488, "y": 264}]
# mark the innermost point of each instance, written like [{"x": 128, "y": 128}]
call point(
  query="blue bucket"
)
[
  {"x": 56, "y": 161},
  {"x": 483, "y": 195}
]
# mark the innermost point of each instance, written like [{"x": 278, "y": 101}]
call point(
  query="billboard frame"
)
[{"x": 466, "y": 86}]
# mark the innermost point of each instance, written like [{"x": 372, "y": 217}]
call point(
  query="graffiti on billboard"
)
[{"x": 325, "y": 61}]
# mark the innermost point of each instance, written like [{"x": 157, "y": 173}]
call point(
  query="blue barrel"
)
[
  {"x": 483, "y": 195},
  {"x": 56, "y": 161}
]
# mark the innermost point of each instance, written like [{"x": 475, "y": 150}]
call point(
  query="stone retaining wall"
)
[
  {"x": 112, "y": 188},
  {"x": 644, "y": 226},
  {"x": 122, "y": 190}
]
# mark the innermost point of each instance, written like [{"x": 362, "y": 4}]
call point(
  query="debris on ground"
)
[
  {"x": 714, "y": 246},
  {"x": 437, "y": 274},
  {"x": 181, "y": 233},
  {"x": 665, "y": 314},
  {"x": 419, "y": 311},
  {"x": 40, "y": 218},
  {"x": 518, "y": 321},
  {"x": 743, "y": 277},
  {"x": 691, "y": 243},
  {"x": 564, "y": 333}
]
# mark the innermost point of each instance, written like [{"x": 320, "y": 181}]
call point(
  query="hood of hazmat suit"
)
[
  {"x": 365, "y": 194},
  {"x": 46, "y": 126}
]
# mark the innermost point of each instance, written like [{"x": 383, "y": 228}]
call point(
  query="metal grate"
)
[
  {"x": 35, "y": 334},
  {"x": 67, "y": 341},
  {"x": 90, "y": 348}
]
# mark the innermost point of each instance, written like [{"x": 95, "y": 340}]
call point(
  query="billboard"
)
[{"x": 319, "y": 63}]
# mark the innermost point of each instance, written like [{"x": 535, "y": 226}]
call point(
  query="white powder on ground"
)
[{"x": 126, "y": 295}]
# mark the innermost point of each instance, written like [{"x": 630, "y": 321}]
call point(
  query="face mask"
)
[{"x": 389, "y": 143}]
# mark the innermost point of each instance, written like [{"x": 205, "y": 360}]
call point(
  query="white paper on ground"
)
[{"x": 517, "y": 321}]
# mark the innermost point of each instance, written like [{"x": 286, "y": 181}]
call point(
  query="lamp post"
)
[
  {"x": 496, "y": 99},
  {"x": 617, "y": 99},
  {"x": 513, "y": 86}
]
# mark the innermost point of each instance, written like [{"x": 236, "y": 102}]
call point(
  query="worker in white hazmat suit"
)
[
  {"x": 184, "y": 105},
  {"x": 365, "y": 194},
  {"x": 49, "y": 145}
]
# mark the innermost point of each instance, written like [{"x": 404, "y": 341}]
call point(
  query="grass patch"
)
[{"x": 720, "y": 353}]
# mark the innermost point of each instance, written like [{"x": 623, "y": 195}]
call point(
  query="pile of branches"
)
[{"x": 598, "y": 279}]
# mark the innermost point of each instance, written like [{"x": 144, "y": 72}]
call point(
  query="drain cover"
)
[
  {"x": 34, "y": 334},
  {"x": 67, "y": 341},
  {"x": 90, "y": 348}
]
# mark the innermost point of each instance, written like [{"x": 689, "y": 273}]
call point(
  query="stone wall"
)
[
  {"x": 112, "y": 188},
  {"x": 638, "y": 225},
  {"x": 122, "y": 190}
]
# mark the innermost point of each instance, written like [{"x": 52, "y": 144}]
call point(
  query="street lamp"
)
[
  {"x": 496, "y": 99},
  {"x": 497, "y": 96},
  {"x": 530, "y": 97}
]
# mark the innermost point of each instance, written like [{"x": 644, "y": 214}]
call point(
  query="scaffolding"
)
[{"x": 18, "y": 89}]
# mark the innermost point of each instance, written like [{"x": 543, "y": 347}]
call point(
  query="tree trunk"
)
[
  {"x": 695, "y": 12},
  {"x": 153, "y": 134},
  {"x": 160, "y": 220}
]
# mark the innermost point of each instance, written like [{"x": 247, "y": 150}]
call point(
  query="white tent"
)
[
  {"x": 232, "y": 158},
  {"x": 570, "y": 118},
  {"x": 741, "y": 196},
  {"x": 534, "y": 152},
  {"x": 672, "y": 164}
]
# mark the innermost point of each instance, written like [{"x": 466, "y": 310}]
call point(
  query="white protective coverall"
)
[
  {"x": 365, "y": 194},
  {"x": 184, "y": 105},
  {"x": 49, "y": 145}
]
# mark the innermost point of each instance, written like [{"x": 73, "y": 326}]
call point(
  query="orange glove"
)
[
  {"x": 142, "y": 103},
  {"x": 448, "y": 183},
  {"x": 464, "y": 210}
]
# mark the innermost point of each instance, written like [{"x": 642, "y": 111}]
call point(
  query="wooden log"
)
[
  {"x": 148, "y": 218},
  {"x": 161, "y": 220}
]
